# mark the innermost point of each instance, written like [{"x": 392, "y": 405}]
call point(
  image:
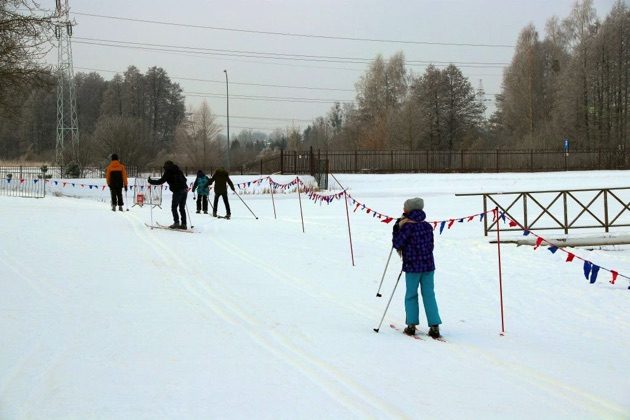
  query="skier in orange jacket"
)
[{"x": 116, "y": 177}]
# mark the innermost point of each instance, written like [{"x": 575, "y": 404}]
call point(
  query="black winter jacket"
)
[
  {"x": 173, "y": 176},
  {"x": 221, "y": 177}
]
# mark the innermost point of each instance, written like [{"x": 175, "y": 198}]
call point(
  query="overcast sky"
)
[{"x": 489, "y": 22}]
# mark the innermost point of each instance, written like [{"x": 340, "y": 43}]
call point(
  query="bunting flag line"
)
[{"x": 590, "y": 270}]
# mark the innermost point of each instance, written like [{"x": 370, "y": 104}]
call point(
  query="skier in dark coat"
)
[
  {"x": 413, "y": 238},
  {"x": 221, "y": 178},
  {"x": 202, "y": 184},
  {"x": 178, "y": 184}
]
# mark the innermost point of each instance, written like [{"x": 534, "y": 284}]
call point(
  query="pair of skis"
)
[{"x": 159, "y": 226}]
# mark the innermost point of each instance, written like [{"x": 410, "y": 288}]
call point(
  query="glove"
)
[
  {"x": 125, "y": 188},
  {"x": 396, "y": 227}
]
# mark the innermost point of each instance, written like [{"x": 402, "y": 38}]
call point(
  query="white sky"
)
[{"x": 472, "y": 22}]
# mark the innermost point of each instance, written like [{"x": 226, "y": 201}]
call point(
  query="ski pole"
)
[
  {"x": 250, "y": 210},
  {"x": 189, "y": 219},
  {"x": 378, "y": 292},
  {"x": 151, "y": 206},
  {"x": 390, "y": 301},
  {"x": 126, "y": 200}
]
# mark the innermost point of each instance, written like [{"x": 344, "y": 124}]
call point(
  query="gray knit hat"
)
[{"x": 416, "y": 203}]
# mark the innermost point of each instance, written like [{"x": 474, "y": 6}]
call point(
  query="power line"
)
[
  {"x": 267, "y": 98},
  {"x": 222, "y": 82},
  {"x": 282, "y": 56},
  {"x": 192, "y": 54},
  {"x": 264, "y": 118},
  {"x": 292, "y": 34},
  {"x": 272, "y": 56}
]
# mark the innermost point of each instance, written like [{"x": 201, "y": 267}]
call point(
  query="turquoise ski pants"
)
[{"x": 425, "y": 281}]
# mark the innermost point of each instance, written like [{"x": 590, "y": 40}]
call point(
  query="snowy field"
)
[{"x": 103, "y": 318}]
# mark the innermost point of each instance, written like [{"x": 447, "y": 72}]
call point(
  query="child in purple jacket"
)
[{"x": 413, "y": 238}]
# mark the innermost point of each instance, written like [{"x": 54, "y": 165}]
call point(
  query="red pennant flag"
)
[
  {"x": 539, "y": 241},
  {"x": 368, "y": 211},
  {"x": 614, "y": 276},
  {"x": 387, "y": 220},
  {"x": 104, "y": 187},
  {"x": 22, "y": 181},
  {"x": 450, "y": 223},
  {"x": 434, "y": 225},
  {"x": 513, "y": 223},
  {"x": 570, "y": 257},
  {"x": 470, "y": 218},
  {"x": 356, "y": 207},
  {"x": 64, "y": 184}
]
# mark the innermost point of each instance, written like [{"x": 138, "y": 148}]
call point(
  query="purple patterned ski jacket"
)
[{"x": 416, "y": 242}]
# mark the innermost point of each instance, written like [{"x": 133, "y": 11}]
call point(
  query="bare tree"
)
[
  {"x": 25, "y": 34},
  {"x": 196, "y": 140},
  {"x": 126, "y": 136}
]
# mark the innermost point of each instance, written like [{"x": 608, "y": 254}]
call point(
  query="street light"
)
[{"x": 227, "y": 98}]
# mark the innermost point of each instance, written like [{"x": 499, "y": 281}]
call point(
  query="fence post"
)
[
  {"x": 461, "y": 160},
  {"x": 606, "y": 210},
  {"x": 485, "y": 215},
  {"x": 282, "y": 161},
  {"x": 355, "y": 161},
  {"x": 566, "y": 213},
  {"x": 531, "y": 161},
  {"x": 427, "y": 159},
  {"x": 311, "y": 161},
  {"x": 391, "y": 159}
]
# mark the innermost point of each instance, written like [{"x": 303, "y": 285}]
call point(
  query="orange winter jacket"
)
[{"x": 116, "y": 175}]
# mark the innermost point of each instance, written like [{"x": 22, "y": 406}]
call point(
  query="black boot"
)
[
  {"x": 410, "y": 330},
  {"x": 434, "y": 331},
  {"x": 174, "y": 225}
]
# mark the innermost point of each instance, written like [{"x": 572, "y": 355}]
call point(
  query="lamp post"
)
[{"x": 227, "y": 98}]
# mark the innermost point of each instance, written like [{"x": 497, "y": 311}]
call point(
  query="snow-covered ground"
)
[{"x": 103, "y": 318}]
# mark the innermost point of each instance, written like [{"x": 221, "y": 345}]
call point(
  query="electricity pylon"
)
[{"x": 67, "y": 121}]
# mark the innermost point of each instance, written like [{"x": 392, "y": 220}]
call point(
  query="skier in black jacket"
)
[
  {"x": 177, "y": 183},
  {"x": 221, "y": 179}
]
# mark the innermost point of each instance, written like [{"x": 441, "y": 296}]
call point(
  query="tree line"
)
[{"x": 572, "y": 82}]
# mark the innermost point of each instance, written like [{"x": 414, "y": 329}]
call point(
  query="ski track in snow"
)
[
  {"x": 339, "y": 387},
  {"x": 519, "y": 372}
]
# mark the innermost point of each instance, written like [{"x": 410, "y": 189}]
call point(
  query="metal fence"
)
[
  {"x": 26, "y": 185},
  {"x": 600, "y": 208},
  {"x": 391, "y": 161},
  {"x": 59, "y": 172}
]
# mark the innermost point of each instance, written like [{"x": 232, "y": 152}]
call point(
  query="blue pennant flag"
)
[
  {"x": 442, "y": 226},
  {"x": 553, "y": 249},
  {"x": 594, "y": 272},
  {"x": 481, "y": 216},
  {"x": 587, "y": 269},
  {"x": 35, "y": 181},
  {"x": 525, "y": 232},
  {"x": 503, "y": 217}
]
